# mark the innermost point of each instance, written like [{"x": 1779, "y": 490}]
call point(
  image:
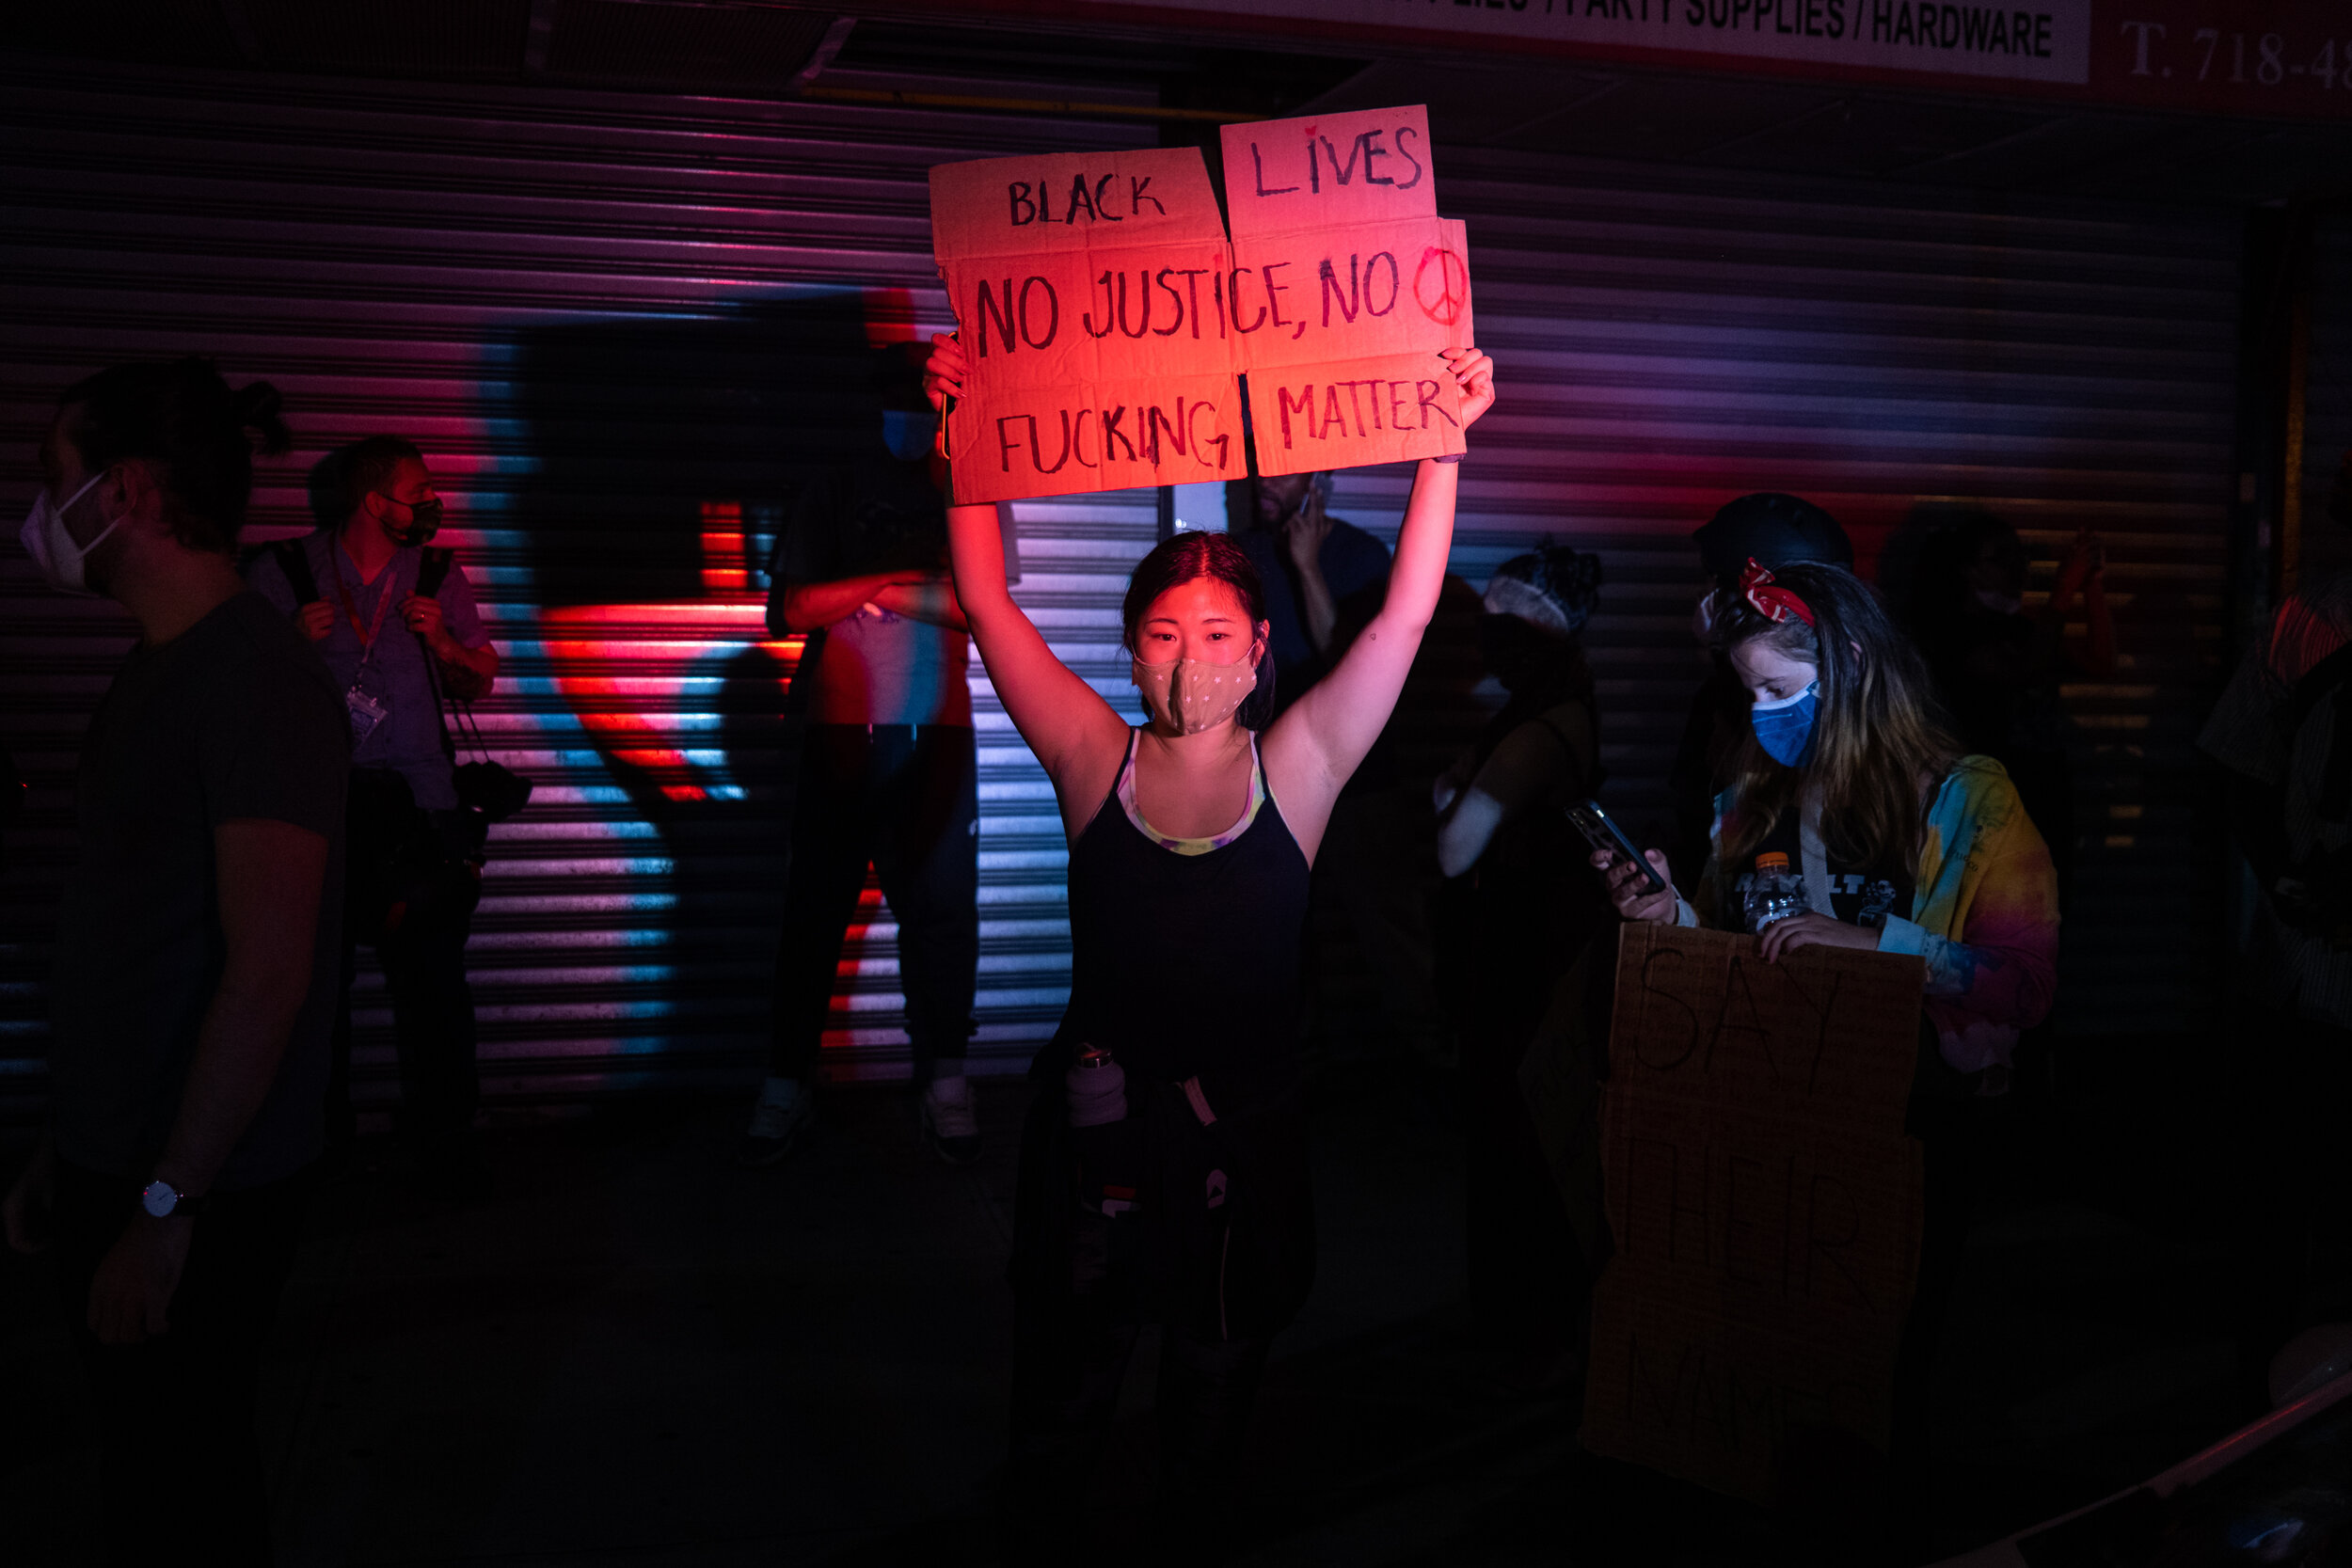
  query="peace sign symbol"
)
[{"x": 1444, "y": 298}]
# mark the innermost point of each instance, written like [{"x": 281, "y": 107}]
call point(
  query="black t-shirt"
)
[{"x": 236, "y": 718}]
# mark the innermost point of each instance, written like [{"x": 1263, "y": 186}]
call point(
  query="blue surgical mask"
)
[
  {"x": 1785, "y": 728},
  {"x": 909, "y": 436}
]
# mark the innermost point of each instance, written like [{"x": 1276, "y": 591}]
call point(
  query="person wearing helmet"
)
[{"x": 1774, "y": 530}]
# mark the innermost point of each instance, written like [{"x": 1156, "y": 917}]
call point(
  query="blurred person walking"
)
[
  {"x": 1904, "y": 844},
  {"x": 193, "y": 987},
  {"x": 889, "y": 774},
  {"x": 1520, "y": 911},
  {"x": 1163, "y": 1164},
  {"x": 394, "y": 619}
]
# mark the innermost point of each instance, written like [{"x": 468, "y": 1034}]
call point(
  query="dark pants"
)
[
  {"x": 904, "y": 798},
  {"x": 410, "y": 894},
  {"x": 1528, "y": 1278},
  {"x": 1959, "y": 1134},
  {"x": 2290, "y": 1185},
  {"x": 1067, "y": 1370},
  {"x": 180, "y": 1475}
]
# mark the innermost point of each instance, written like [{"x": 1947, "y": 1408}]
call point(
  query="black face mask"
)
[{"x": 424, "y": 521}]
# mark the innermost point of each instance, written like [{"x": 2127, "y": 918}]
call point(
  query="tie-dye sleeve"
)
[{"x": 1999, "y": 973}]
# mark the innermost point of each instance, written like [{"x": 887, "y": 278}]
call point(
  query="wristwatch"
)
[{"x": 163, "y": 1200}]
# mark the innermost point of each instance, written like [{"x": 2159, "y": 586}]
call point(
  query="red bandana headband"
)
[{"x": 1773, "y": 604}]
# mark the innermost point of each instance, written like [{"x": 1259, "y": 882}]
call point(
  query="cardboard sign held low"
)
[{"x": 1764, "y": 1200}]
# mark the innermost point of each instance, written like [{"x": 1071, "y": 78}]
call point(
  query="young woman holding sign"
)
[
  {"x": 1849, "y": 787},
  {"x": 1163, "y": 1169}
]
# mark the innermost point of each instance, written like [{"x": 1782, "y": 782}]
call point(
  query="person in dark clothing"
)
[
  {"x": 1996, "y": 666},
  {"x": 1326, "y": 579},
  {"x": 889, "y": 775},
  {"x": 1774, "y": 530},
  {"x": 1177, "y": 1196},
  {"x": 1520, "y": 909},
  {"x": 2283, "y": 732},
  {"x": 416, "y": 851},
  {"x": 194, "y": 982}
]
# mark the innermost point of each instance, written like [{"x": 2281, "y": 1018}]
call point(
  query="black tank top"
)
[{"x": 1188, "y": 964}]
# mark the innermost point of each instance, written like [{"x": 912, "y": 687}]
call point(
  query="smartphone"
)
[{"x": 1601, "y": 832}]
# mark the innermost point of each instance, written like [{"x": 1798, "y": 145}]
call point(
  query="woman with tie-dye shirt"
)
[{"x": 1903, "y": 846}]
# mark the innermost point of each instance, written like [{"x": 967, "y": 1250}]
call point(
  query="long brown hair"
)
[{"x": 1878, "y": 731}]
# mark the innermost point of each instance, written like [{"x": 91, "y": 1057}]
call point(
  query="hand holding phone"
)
[{"x": 1634, "y": 879}]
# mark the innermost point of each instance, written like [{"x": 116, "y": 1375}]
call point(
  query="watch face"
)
[{"x": 158, "y": 1198}]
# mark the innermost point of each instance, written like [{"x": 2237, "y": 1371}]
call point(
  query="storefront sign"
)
[
  {"x": 2038, "y": 41},
  {"x": 1764, "y": 1202},
  {"x": 2271, "y": 58},
  {"x": 1106, "y": 316}
]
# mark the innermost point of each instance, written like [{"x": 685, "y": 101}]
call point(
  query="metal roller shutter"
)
[
  {"x": 618, "y": 326},
  {"x": 600, "y": 314}
]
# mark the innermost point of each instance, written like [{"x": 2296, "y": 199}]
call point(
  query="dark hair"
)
[
  {"x": 1204, "y": 554},
  {"x": 1878, "y": 730},
  {"x": 183, "y": 421},
  {"x": 1568, "y": 580},
  {"x": 1776, "y": 529},
  {"x": 366, "y": 465}
]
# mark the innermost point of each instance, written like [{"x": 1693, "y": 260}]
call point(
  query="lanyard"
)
[{"x": 350, "y": 609}]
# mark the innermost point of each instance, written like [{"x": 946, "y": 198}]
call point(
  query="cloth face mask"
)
[
  {"x": 1998, "y": 602},
  {"x": 1785, "y": 728},
  {"x": 424, "y": 521},
  {"x": 1189, "y": 695},
  {"x": 63, "y": 564}
]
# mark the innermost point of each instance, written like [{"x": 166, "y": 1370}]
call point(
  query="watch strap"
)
[{"x": 182, "y": 1205}]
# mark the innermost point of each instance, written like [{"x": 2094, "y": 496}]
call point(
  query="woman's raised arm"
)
[
  {"x": 1078, "y": 737},
  {"x": 1316, "y": 744}
]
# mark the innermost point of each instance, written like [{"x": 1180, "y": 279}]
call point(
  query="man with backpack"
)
[
  {"x": 2283, "y": 730},
  {"x": 395, "y": 622}
]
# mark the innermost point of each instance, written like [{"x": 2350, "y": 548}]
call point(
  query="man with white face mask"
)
[{"x": 193, "y": 980}]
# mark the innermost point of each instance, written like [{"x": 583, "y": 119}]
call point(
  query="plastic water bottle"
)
[{"x": 1775, "y": 892}]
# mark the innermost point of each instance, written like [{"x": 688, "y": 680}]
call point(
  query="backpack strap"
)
[
  {"x": 433, "y": 570},
  {"x": 294, "y": 562}
]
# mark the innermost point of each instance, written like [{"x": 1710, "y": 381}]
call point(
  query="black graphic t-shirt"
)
[{"x": 1859, "y": 895}]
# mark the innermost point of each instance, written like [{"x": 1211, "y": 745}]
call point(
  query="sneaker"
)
[
  {"x": 948, "y": 1125},
  {"x": 776, "y": 1130}
]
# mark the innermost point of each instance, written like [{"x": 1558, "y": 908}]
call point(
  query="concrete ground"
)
[{"x": 634, "y": 1352}]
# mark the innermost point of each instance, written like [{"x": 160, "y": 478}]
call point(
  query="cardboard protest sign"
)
[
  {"x": 1764, "y": 1201},
  {"x": 1090, "y": 291},
  {"x": 1345, "y": 275},
  {"x": 1107, "y": 318}
]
